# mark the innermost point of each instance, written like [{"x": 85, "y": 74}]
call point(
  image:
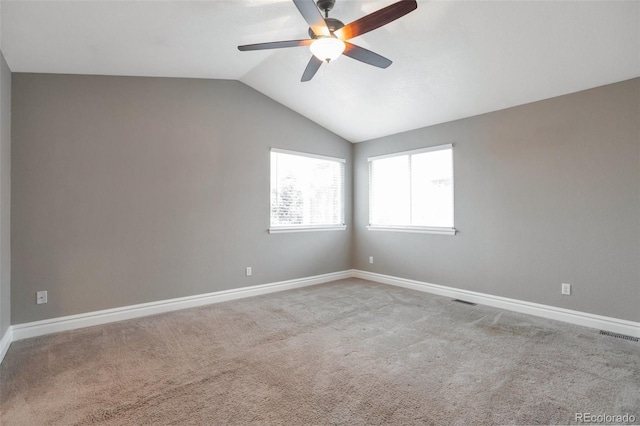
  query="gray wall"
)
[
  {"x": 5, "y": 196},
  {"x": 545, "y": 193},
  {"x": 130, "y": 190}
]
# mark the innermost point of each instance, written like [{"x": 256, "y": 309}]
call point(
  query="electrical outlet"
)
[
  {"x": 566, "y": 289},
  {"x": 41, "y": 297},
  {"x": 370, "y": 259},
  {"x": 248, "y": 271}
]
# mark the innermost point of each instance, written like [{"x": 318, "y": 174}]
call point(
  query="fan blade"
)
[
  {"x": 363, "y": 55},
  {"x": 312, "y": 68},
  {"x": 376, "y": 19},
  {"x": 275, "y": 45},
  {"x": 312, "y": 15}
]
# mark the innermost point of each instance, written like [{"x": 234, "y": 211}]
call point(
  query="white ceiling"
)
[{"x": 451, "y": 59}]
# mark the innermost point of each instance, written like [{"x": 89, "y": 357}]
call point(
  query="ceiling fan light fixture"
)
[
  {"x": 327, "y": 48},
  {"x": 328, "y": 36}
]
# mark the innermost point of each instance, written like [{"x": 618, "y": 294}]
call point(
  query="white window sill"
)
[
  {"x": 285, "y": 229},
  {"x": 415, "y": 229}
]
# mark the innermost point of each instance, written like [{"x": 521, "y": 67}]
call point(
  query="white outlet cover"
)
[
  {"x": 566, "y": 289},
  {"x": 41, "y": 297}
]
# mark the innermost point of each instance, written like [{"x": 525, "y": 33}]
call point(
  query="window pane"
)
[
  {"x": 306, "y": 190},
  {"x": 432, "y": 189},
  {"x": 389, "y": 187},
  {"x": 325, "y": 198}
]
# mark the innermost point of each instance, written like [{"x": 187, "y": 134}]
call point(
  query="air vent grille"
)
[
  {"x": 464, "y": 302},
  {"x": 619, "y": 336}
]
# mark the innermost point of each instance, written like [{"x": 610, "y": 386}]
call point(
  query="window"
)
[
  {"x": 307, "y": 192},
  {"x": 412, "y": 191}
]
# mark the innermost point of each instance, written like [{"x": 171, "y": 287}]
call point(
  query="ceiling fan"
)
[{"x": 329, "y": 36}]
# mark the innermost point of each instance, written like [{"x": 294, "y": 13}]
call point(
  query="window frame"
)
[
  {"x": 277, "y": 229},
  {"x": 413, "y": 228}
]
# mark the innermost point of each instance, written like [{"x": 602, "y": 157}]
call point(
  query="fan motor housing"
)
[{"x": 333, "y": 24}]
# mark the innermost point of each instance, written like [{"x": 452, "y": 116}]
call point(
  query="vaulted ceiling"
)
[{"x": 451, "y": 59}]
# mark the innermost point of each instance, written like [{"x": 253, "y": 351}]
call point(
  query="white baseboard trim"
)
[
  {"x": 71, "y": 322},
  {"x": 5, "y": 342},
  {"x": 600, "y": 322}
]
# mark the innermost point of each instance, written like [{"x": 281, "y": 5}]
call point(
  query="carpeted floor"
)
[{"x": 349, "y": 352}]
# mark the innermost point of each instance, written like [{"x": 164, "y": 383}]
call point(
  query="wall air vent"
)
[
  {"x": 465, "y": 302},
  {"x": 619, "y": 336}
]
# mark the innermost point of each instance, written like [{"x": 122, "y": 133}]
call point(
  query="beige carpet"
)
[{"x": 350, "y": 352}]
